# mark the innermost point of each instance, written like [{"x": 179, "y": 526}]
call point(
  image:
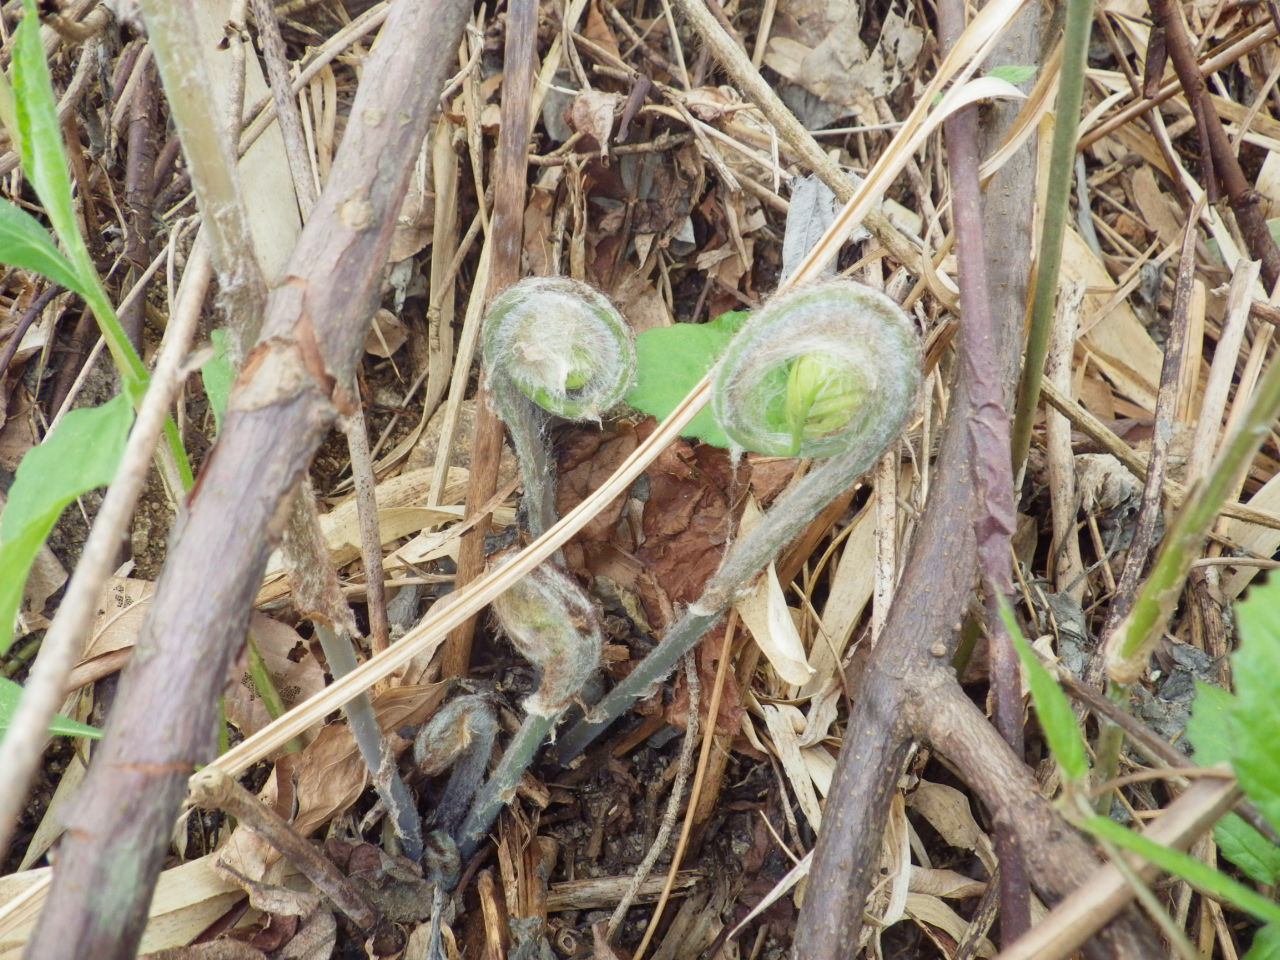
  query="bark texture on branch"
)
[
  {"x": 286, "y": 396},
  {"x": 908, "y": 690}
]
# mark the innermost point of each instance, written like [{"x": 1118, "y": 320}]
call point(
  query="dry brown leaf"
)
[
  {"x": 818, "y": 46},
  {"x": 592, "y": 113},
  {"x": 386, "y": 335},
  {"x": 413, "y": 226},
  {"x": 929, "y": 912},
  {"x": 947, "y": 810},
  {"x": 945, "y": 883},
  {"x": 295, "y": 672},
  {"x": 215, "y": 950}
]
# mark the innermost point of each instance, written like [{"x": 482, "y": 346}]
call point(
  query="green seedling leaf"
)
[
  {"x": 1255, "y": 716},
  {"x": 1056, "y": 717},
  {"x": 1195, "y": 872},
  {"x": 27, "y": 245},
  {"x": 218, "y": 375},
  {"x": 1210, "y": 734},
  {"x": 60, "y": 726},
  {"x": 1266, "y": 944},
  {"x": 1014, "y": 73},
  {"x": 671, "y": 360},
  {"x": 821, "y": 398},
  {"x": 82, "y": 454},
  {"x": 43, "y": 160}
]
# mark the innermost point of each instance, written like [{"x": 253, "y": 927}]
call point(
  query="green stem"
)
[
  {"x": 501, "y": 787},
  {"x": 372, "y": 746},
  {"x": 1107, "y": 752},
  {"x": 745, "y": 560},
  {"x": 872, "y": 341},
  {"x": 1139, "y": 631},
  {"x": 260, "y": 673},
  {"x": 1057, "y": 199},
  {"x": 527, "y": 424}
]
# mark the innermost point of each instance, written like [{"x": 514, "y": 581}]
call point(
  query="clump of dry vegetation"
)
[{"x": 320, "y": 200}]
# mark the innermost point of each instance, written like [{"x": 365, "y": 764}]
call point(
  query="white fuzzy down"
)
[
  {"x": 543, "y": 329},
  {"x": 856, "y": 328}
]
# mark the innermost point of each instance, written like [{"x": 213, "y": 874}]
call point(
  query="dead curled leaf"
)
[{"x": 592, "y": 113}]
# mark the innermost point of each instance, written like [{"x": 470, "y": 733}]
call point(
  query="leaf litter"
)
[{"x": 682, "y": 219}]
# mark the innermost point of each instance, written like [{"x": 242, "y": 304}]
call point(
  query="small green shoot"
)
[
  {"x": 671, "y": 360},
  {"x": 60, "y": 726},
  {"x": 1240, "y": 729},
  {"x": 27, "y": 245},
  {"x": 1056, "y": 718},
  {"x": 80, "y": 455},
  {"x": 1209, "y": 732},
  {"x": 44, "y": 162},
  {"x": 218, "y": 375},
  {"x": 1014, "y": 73}
]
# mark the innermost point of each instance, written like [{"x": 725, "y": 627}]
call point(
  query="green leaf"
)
[
  {"x": 60, "y": 726},
  {"x": 1014, "y": 73},
  {"x": 671, "y": 360},
  {"x": 1248, "y": 849},
  {"x": 27, "y": 245},
  {"x": 80, "y": 455},
  {"x": 1266, "y": 944},
  {"x": 1209, "y": 732},
  {"x": 1187, "y": 867},
  {"x": 1255, "y": 716},
  {"x": 43, "y": 159},
  {"x": 1056, "y": 717},
  {"x": 218, "y": 375}
]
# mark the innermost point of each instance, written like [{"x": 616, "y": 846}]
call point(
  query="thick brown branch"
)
[
  {"x": 1241, "y": 195},
  {"x": 164, "y": 721},
  {"x": 506, "y": 235}
]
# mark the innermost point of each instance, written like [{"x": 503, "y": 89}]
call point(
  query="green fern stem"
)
[{"x": 859, "y": 359}]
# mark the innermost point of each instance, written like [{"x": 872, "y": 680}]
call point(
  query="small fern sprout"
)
[
  {"x": 460, "y": 735},
  {"x": 553, "y": 623},
  {"x": 813, "y": 372},
  {"x": 563, "y": 344},
  {"x": 554, "y": 346},
  {"x": 828, "y": 370},
  {"x": 555, "y": 626}
]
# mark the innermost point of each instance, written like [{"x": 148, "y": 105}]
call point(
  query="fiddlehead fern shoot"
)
[
  {"x": 460, "y": 734},
  {"x": 827, "y": 370},
  {"x": 554, "y": 624},
  {"x": 553, "y": 346}
]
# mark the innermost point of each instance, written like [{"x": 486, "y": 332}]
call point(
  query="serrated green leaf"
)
[
  {"x": 1210, "y": 733},
  {"x": 1248, "y": 849},
  {"x": 217, "y": 375},
  {"x": 1208, "y": 728},
  {"x": 82, "y": 454},
  {"x": 1056, "y": 718},
  {"x": 671, "y": 360},
  {"x": 1014, "y": 72},
  {"x": 27, "y": 245},
  {"x": 1266, "y": 944},
  {"x": 60, "y": 726},
  {"x": 1255, "y": 716},
  {"x": 1187, "y": 867}
]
